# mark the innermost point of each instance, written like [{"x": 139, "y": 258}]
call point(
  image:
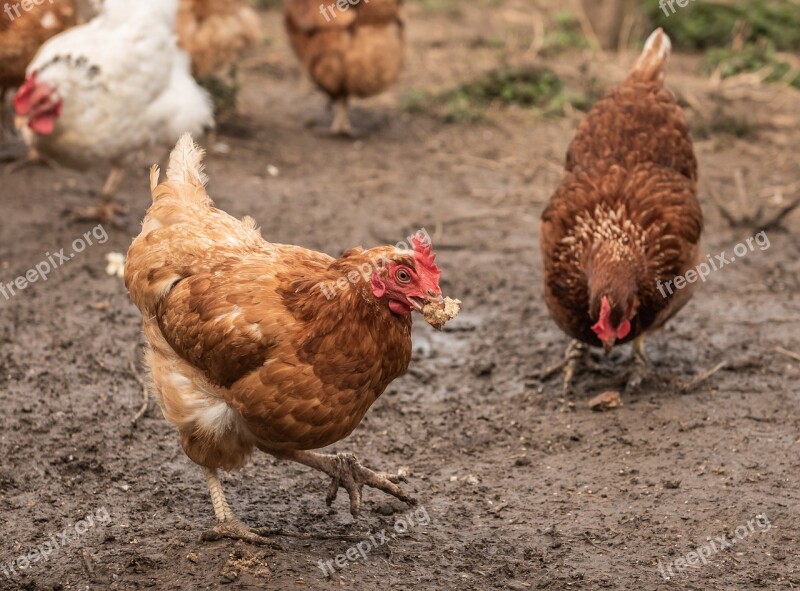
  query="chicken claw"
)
[
  {"x": 106, "y": 212},
  {"x": 236, "y": 530},
  {"x": 228, "y": 524},
  {"x": 575, "y": 357},
  {"x": 347, "y": 472},
  {"x": 352, "y": 476}
]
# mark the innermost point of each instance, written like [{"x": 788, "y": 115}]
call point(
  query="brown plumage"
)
[
  {"x": 22, "y": 33},
  {"x": 357, "y": 52},
  {"x": 247, "y": 347},
  {"x": 216, "y": 32},
  {"x": 625, "y": 219}
]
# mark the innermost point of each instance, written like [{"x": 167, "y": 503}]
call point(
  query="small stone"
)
[{"x": 606, "y": 401}]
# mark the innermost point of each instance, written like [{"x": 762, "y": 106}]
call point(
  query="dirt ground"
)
[{"x": 519, "y": 487}]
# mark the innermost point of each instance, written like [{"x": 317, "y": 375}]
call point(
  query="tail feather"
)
[
  {"x": 186, "y": 163},
  {"x": 652, "y": 63}
]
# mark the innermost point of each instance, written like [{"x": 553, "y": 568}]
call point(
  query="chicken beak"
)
[
  {"x": 609, "y": 344},
  {"x": 20, "y": 122},
  {"x": 418, "y": 303}
]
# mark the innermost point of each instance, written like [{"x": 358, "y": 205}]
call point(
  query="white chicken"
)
[{"x": 103, "y": 91}]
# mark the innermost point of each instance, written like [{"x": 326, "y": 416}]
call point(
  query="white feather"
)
[
  {"x": 124, "y": 82},
  {"x": 186, "y": 163}
]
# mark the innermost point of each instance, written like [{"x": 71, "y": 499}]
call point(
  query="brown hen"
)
[
  {"x": 250, "y": 346},
  {"x": 216, "y": 32},
  {"x": 626, "y": 219},
  {"x": 348, "y": 49}
]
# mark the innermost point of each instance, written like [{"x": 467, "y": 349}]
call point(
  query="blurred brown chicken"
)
[
  {"x": 22, "y": 33},
  {"x": 625, "y": 222},
  {"x": 216, "y": 32},
  {"x": 357, "y": 50}
]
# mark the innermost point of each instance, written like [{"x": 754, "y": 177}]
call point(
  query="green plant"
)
[
  {"x": 564, "y": 33},
  {"x": 752, "y": 58},
  {"x": 703, "y": 24},
  {"x": 537, "y": 89}
]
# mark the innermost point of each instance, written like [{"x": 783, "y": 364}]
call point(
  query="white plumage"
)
[{"x": 124, "y": 83}]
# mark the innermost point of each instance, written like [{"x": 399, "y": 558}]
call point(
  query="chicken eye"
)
[{"x": 403, "y": 276}]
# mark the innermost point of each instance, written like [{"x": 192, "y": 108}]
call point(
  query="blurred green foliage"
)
[
  {"x": 752, "y": 58},
  {"x": 706, "y": 24},
  {"x": 224, "y": 92},
  {"x": 538, "y": 89},
  {"x": 564, "y": 33}
]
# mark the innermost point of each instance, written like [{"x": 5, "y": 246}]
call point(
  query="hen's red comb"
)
[
  {"x": 424, "y": 255},
  {"x": 23, "y": 100}
]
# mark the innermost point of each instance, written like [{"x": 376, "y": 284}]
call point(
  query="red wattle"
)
[
  {"x": 399, "y": 307},
  {"x": 43, "y": 125}
]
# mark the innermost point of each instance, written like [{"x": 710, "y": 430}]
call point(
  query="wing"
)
[{"x": 227, "y": 320}]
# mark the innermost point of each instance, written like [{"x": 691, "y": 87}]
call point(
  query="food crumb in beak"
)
[{"x": 437, "y": 314}]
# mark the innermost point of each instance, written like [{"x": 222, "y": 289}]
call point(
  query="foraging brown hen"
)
[
  {"x": 252, "y": 346},
  {"x": 357, "y": 50},
  {"x": 626, "y": 219},
  {"x": 216, "y": 32}
]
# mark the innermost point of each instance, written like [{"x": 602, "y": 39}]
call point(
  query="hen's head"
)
[
  {"x": 408, "y": 281},
  {"x": 38, "y": 105},
  {"x": 613, "y": 315}
]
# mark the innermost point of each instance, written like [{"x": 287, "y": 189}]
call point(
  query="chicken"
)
[
  {"x": 348, "y": 49},
  {"x": 104, "y": 90},
  {"x": 250, "y": 346},
  {"x": 625, "y": 220},
  {"x": 215, "y": 32},
  {"x": 21, "y": 34}
]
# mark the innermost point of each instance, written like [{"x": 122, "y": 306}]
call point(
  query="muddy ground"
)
[{"x": 521, "y": 487}]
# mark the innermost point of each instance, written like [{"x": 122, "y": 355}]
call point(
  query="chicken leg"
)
[
  {"x": 228, "y": 524},
  {"x": 641, "y": 368},
  {"x": 341, "y": 122},
  {"x": 346, "y": 471},
  {"x": 574, "y": 357},
  {"x": 106, "y": 210}
]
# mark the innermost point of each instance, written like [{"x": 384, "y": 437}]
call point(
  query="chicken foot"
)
[
  {"x": 228, "y": 524},
  {"x": 641, "y": 368},
  {"x": 575, "y": 356},
  {"x": 106, "y": 210},
  {"x": 347, "y": 472}
]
